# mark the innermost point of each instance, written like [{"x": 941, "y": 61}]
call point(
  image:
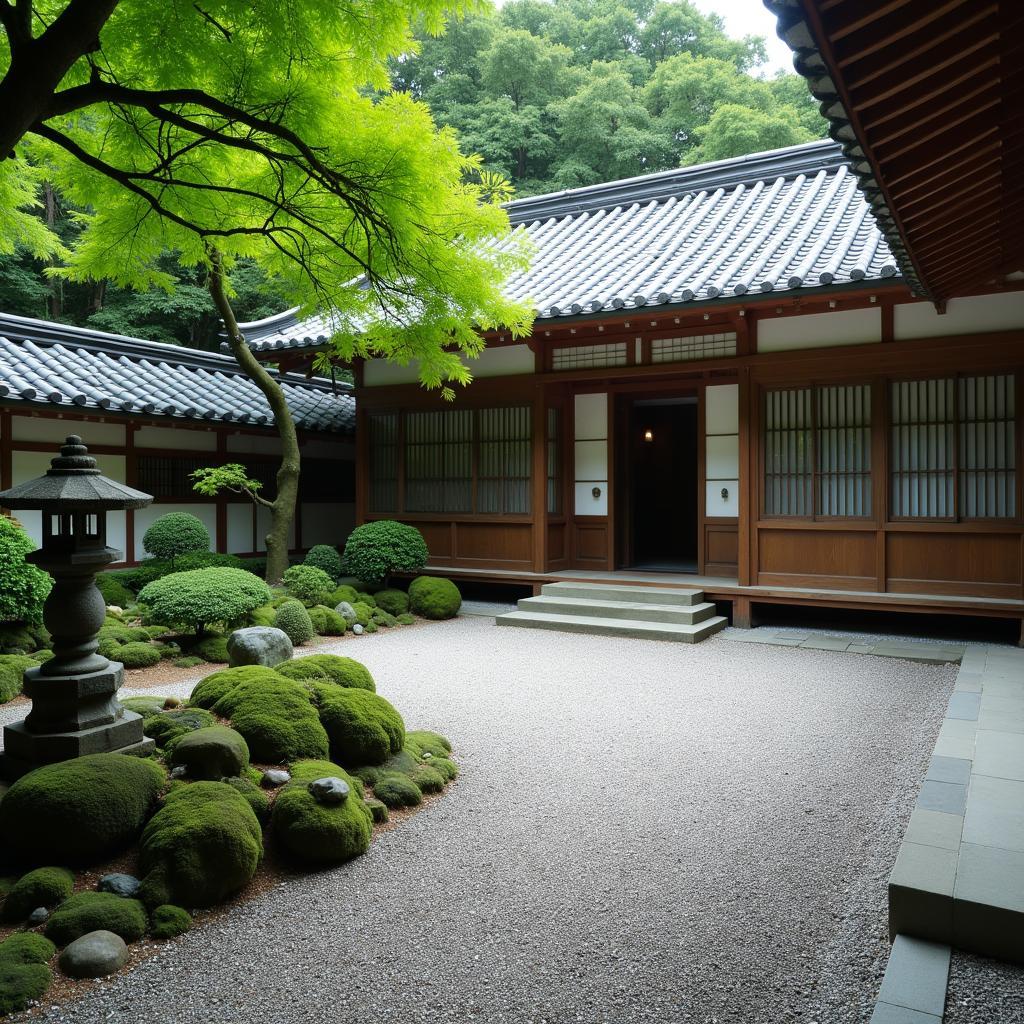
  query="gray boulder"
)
[
  {"x": 94, "y": 955},
  {"x": 274, "y": 777},
  {"x": 347, "y": 612},
  {"x": 38, "y": 916},
  {"x": 120, "y": 885},
  {"x": 330, "y": 790},
  {"x": 211, "y": 753},
  {"x": 259, "y": 645},
  {"x": 357, "y": 629}
]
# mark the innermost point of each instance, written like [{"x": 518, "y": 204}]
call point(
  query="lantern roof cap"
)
[{"x": 73, "y": 484}]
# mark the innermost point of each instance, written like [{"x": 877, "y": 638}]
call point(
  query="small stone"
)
[
  {"x": 178, "y": 772},
  {"x": 259, "y": 645},
  {"x": 329, "y": 790},
  {"x": 120, "y": 885},
  {"x": 38, "y": 916},
  {"x": 357, "y": 629},
  {"x": 94, "y": 955},
  {"x": 427, "y": 755},
  {"x": 115, "y": 609},
  {"x": 274, "y": 777},
  {"x": 347, "y": 612}
]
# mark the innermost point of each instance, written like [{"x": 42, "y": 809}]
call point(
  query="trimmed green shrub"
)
[
  {"x": 371, "y": 627},
  {"x": 169, "y": 726},
  {"x": 362, "y": 727},
  {"x": 255, "y": 796},
  {"x": 396, "y": 790},
  {"x": 22, "y": 984},
  {"x": 394, "y": 602},
  {"x": 406, "y": 620},
  {"x": 170, "y": 921},
  {"x": 88, "y": 808},
  {"x": 333, "y": 668},
  {"x": 201, "y": 847},
  {"x": 204, "y": 597},
  {"x": 26, "y": 947},
  {"x": 113, "y": 590},
  {"x": 262, "y": 616},
  {"x": 16, "y": 638},
  {"x": 434, "y": 597},
  {"x": 293, "y": 619},
  {"x": 324, "y": 557},
  {"x": 174, "y": 534},
  {"x": 25, "y": 585},
  {"x": 343, "y": 593},
  {"x": 375, "y": 550},
  {"x": 379, "y": 617},
  {"x": 326, "y": 621},
  {"x": 94, "y": 911},
  {"x": 213, "y": 649},
  {"x": 44, "y": 887},
  {"x": 308, "y": 584},
  {"x": 316, "y": 833},
  {"x": 137, "y": 655},
  {"x": 211, "y": 753},
  {"x": 190, "y": 661},
  {"x": 363, "y": 613},
  {"x": 41, "y": 656},
  {"x": 366, "y": 598},
  {"x": 169, "y": 651},
  {"x": 156, "y": 568},
  {"x": 12, "y": 671}
]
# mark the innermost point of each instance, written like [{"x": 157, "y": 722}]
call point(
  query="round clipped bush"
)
[
  {"x": 44, "y": 887},
  {"x": 434, "y": 597},
  {"x": 394, "y": 602},
  {"x": 375, "y": 550},
  {"x": 204, "y": 597},
  {"x": 362, "y": 727},
  {"x": 308, "y": 584},
  {"x": 25, "y": 586},
  {"x": 167, "y": 727},
  {"x": 344, "y": 593},
  {"x": 202, "y": 846},
  {"x": 326, "y": 621},
  {"x": 293, "y": 619},
  {"x": 170, "y": 921},
  {"x": 12, "y": 671},
  {"x": 21, "y": 984},
  {"x": 324, "y": 557},
  {"x": 211, "y": 753},
  {"x": 333, "y": 668},
  {"x": 317, "y": 833},
  {"x": 113, "y": 590},
  {"x": 137, "y": 655},
  {"x": 407, "y": 619},
  {"x": 97, "y": 911},
  {"x": 174, "y": 534},
  {"x": 87, "y": 808}
]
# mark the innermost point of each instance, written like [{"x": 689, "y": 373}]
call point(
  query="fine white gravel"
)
[{"x": 642, "y": 832}]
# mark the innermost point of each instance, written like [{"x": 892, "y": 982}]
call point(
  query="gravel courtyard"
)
[{"x": 642, "y": 831}]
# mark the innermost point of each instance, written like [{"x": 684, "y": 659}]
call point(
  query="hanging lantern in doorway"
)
[{"x": 648, "y": 434}]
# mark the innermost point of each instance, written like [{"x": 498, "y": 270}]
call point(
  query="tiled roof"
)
[
  {"x": 49, "y": 364},
  {"x": 784, "y": 221}
]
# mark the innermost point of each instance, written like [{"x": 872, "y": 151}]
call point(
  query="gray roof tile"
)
[
  {"x": 50, "y": 364},
  {"x": 792, "y": 219}
]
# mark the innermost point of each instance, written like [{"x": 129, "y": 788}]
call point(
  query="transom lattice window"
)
[
  {"x": 817, "y": 451},
  {"x": 700, "y": 346},
  {"x": 579, "y": 357},
  {"x": 952, "y": 448}
]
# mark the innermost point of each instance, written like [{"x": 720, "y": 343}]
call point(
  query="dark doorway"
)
[{"x": 661, "y": 453}]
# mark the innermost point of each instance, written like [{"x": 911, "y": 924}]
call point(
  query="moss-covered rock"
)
[
  {"x": 211, "y": 753},
  {"x": 26, "y": 948},
  {"x": 363, "y": 728},
  {"x": 44, "y": 887},
  {"x": 293, "y": 618},
  {"x": 406, "y": 620},
  {"x": 213, "y": 649},
  {"x": 446, "y": 767},
  {"x": 201, "y": 847},
  {"x": 379, "y": 617},
  {"x": 88, "y": 808},
  {"x": 217, "y": 684},
  {"x": 423, "y": 741},
  {"x": 394, "y": 602},
  {"x": 145, "y": 706},
  {"x": 170, "y": 921},
  {"x": 97, "y": 911},
  {"x": 378, "y": 810},
  {"x": 22, "y": 984},
  {"x": 434, "y": 597},
  {"x": 315, "y": 833},
  {"x": 255, "y": 797},
  {"x": 427, "y": 778},
  {"x": 137, "y": 654},
  {"x": 326, "y": 621},
  {"x": 12, "y": 670},
  {"x": 344, "y": 593},
  {"x": 169, "y": 726},
  {"x": 397, "y": 790},
  {"x": 332, "y": 667}
]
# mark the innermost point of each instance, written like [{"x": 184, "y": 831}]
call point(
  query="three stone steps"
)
[{"x": 651, "y": 613}]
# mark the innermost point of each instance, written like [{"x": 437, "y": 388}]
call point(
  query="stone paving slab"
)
[
  {"x": 916, "y": 975},
  {"x": 923, "y": 651}
]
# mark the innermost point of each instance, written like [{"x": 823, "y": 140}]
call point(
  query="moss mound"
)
[
  {"x": 170, "y": 921},
  {"x": 326, "y": 621},
  {"x": 88, "y": 808},
  {"x": 213, "y": 649},
  {"x": 190, "y": 661},
  {"x": 44, "y": 887},
  {"x": 405, "y": 620},
  {"x": 362, "y": 727},
  {"x": 168, "y": 727},
  {"x": 363, "y": 613},
  {"x": 145, "y": 706},
  {"x": 394, "y": 602},
  {"x": 379, "y": 617},
  {"x": 21, "y": 984},
  {"x": 396, "y": 790},
  {"x": 344, "y": 593},
  {"x": 12, "y": 670},
  {"x": 201, "y": 847},
  {"x": 216, "y": 685},
  {"x": 94, "y": 911},
  {"x": 254, "y": 796},
  {"x": 422, "y": 741},
  {"x": 26, "y": 948},
  {"x": 378, "y": 810},
  {"x": 434, "y": 597},
  {"x": 427, "y": 778},
  {"x": 333, "y": 668},
  {"x": 321, "y": 834},
  {"x": 211, "y": 753},
  {"x": 113, "y": 590},
  {"x": 262, "y": 616},
  {"x": 137, "y": 654},
  {"x": 293, "y": 619}
]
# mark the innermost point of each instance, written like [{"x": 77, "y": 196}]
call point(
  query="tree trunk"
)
[
  {"x": 282, "y": 511},
  {"x": 56, "y": 304}
]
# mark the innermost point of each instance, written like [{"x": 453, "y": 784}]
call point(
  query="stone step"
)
[
  {"x": 588, "y": 607},
  {"x": 619, "y": 592},
  {"x": 600, "y": 626}
]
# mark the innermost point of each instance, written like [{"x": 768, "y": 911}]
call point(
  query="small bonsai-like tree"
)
[
  {"x": 176, "y": 533},
  {"x": 308, "y": 583},
  {"x": 375, "y": 550},
  {"x": 325, "y": 557},
  {"x": 24, "y": 586},
  {"x": 204, "y": 597}
]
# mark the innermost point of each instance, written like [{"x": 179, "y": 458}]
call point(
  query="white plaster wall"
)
[
  {"x": 145, "y": 517},
  {"x": 327, "y": 522},
  {"x": 239, "y": 527},
  {"x": 721, "y": 449},
  {"x": 168, "y": 437},
  {"x": 503, "y": 361},
  {"x": 976, "y": 314},
  {"x": 820, "y": 330},
  {"x": 591, "y": 454},
  {"x": 263, "y": 525},
  {"x": 36, "y": 428}
]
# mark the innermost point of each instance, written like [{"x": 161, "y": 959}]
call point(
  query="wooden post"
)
[
  {"x": 742, "y": 612},
  {"x": 539, "y": 490}
]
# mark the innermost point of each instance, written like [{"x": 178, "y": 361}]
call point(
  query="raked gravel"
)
[{"x": 642, "y": 832}]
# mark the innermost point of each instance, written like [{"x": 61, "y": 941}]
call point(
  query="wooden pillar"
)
[
  {"x": 742, "y": 612},
  {"x": 363, "y": 461},
  {"x": 539, "y": 472},
  {"x": 747, "y": 505},
  {"x": 131, "y": 478}
]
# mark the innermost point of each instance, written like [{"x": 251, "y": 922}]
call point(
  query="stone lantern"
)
[{"x": 75, "y": 710}]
